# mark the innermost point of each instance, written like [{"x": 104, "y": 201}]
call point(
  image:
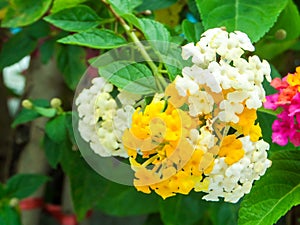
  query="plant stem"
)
[
  {"x": 105, "y": 21},
  {"x": 134, "y": 38},
  {"x": 268, "y": 111},
  {"x": 147, "y": 162}
]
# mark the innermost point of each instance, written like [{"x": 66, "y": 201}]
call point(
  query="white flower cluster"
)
[
  {"x": 221, "y": 84},
  {"x": 233, "y": 181},
  {"x": 101, "y": 123},
  {"x": 217, "y": 64}
]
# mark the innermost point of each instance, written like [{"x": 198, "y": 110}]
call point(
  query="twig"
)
[{"x": 137, "y": 42}]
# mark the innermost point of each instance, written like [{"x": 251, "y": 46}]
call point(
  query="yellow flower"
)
[
  {"x": 206, "y": 163},
  {"x": 202, "y": 186},
  {"x": 255, "y": 133},
  {"x": 294, "y": 79},
  {"x": 231, "y": 149},
  {"x": 246, "y": 120}
]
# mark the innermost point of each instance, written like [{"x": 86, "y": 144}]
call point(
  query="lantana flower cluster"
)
[
  {"x": 201, "y": 134},
  {"x": 287, "y": 125}
]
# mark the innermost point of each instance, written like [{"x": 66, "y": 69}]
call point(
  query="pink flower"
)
[
  {"x": 294, "y": 108},
  {"x": 287, "y": 125},
  {"x": 282, "y": 129},
  {"x": 295, "y": 139},
  {"x": 271, "y": 102},
  {"x": 278, "y": 83}
]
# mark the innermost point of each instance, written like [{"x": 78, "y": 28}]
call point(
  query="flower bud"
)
[
  {"x": 280, "y": 34},
  {"x": 55, "y": 102},
  {"x": 147, "y": 12},
  {"x": 14, "y": 202},
  {"x": 27, "y": 104}
]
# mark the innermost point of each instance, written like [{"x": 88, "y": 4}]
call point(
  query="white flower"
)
[
  {"x": 214, "y": 37},
  {"x": 122, "y": 120},
  {"x": 231, "y": 182},
  {"x": 190, "y": 50},
  {"x": 229, "y": 50},
  {"x": 96, "y": 109},
  {"x": 230, "y": 109},
  {"x": 256, "y": 96},
  {"x": 237, "y": 96},
  {"x": 243, "y": 39},
  {"x": 200, "y": 103},
  {"x": 203, "y": 139},
  {"x": 185, "y": 85},
  {"x": 262, "y": 69}
]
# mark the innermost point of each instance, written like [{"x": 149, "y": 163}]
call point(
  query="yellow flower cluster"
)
[
  {"x": 159, "y": 133},
  {"x": 162, "y": 152}
]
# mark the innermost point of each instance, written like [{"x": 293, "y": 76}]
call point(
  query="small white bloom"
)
[
  {"x": 122, "y": 120},
  {"x": 244, "y": 41},
  {"x": 233, "y": 181},
  {"x": 200, "y": 103},
  {"x": 237, "y": 96},
  {"x": 230, "y": 109},
  {"x": 185, "y": 85},
  {"x": 262, "y": 69},
  {"x": 96, "y": 109},
  {"x": 203, "y": 139}
]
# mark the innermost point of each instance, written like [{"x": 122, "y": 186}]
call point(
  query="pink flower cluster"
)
[{"x": 287, "y": 125}]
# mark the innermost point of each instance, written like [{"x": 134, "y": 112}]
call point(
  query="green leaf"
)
[
  {"x": 64, "y": 4},
  {"x": 124, "y": 6},
  {"x": 22, "y": 13},
  {"x": 3, "y": 4},
  {"x": 155, "y": 4},
  {"x": 268, "y": 50},
  {"x": 78, "y": 18},
  {"x": 154, "y": 30},
  {"x": 23, "y": 43},
  {"x": 69, "y": 125},
  {"x": 181, "y": 209},
  {"x": 192, "y": 7},
  {"x": 71, "y": 62},
  {"x": 26, "y": 115},
  {"x": 98, "y": 192},
  {"x": 222, "y": 213},
  {"x": 23, "y": 185},
  {"x": 192, "y": 31},
  {"x": 275, "y": 193},
  {"x": 95, "y": 38},
  {"x": 47, "y": 112},
  {"x": 136, "y": 77},
  {"x": 47, "y": 50},
  {"x": 16, "y": 48},
  {"x": 56, "y": 129},
  {"x": 254, "y": 18},
  {"x": 117, "y": 198},
  {"x": 53, "y": 150},
  {"x": 153, "y": 219},
  {"x": 289, "y": 20},
  {"x": 38, "y": 30},
  {"x": 9, "y": 216}
]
